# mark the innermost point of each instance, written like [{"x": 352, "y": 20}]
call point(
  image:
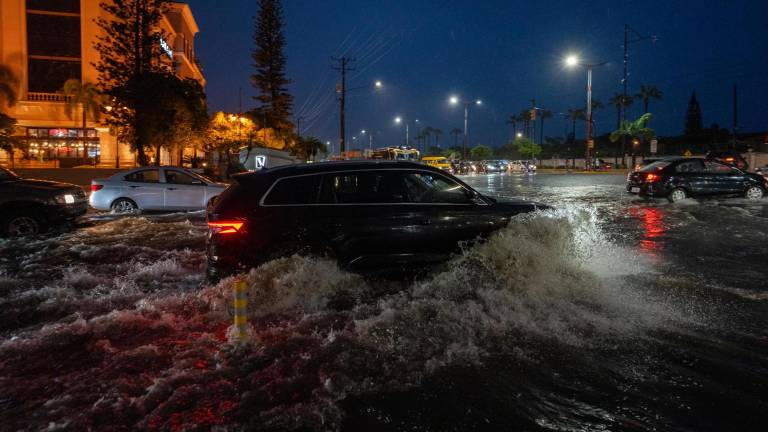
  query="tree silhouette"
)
[
  {"x": 437, "y": 132},
  {"x": 693, "y": 120},
  {"x": 455, "y": 132},
  {"x": 646, "y": 93},
  {"x": 619, "y": 102}
]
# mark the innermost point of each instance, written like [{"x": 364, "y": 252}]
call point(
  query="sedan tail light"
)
[
  {"x": 225, "y": 227},
  {"x": 651, "y": 178},
  {"x": 95, "y": 187}
]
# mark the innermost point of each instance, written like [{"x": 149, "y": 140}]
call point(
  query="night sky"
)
[{"x": 504, "y": 52}]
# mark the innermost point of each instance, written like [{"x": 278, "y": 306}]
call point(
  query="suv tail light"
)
[
  {"x": 651, "y": 178},
  {"x": 225, "y": 227},
  {"x": 95, "y": 187}
]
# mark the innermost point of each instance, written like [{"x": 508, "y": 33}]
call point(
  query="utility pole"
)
[
  {"x": 298, "y": 125},
  {"x": 341, "y": 89},
  {"x": 735, "y": 118},
  {"x": 625, "y": 80}
]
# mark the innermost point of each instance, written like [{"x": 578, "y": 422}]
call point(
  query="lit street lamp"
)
[
  {"x": 455, "y": 100},
  {"x": 572, "y": 61},
  {"x": 399, "y": 120}
]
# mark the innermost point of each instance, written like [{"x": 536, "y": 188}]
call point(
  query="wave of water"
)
[{"x": 127, "y": 342}]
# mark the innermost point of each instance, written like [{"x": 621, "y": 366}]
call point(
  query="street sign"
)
[
  {"x": 654, "y": 145},
  {"x": 687, "y": 153}
]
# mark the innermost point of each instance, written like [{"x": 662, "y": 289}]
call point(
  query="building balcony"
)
[{"x": 47, "y": 97}]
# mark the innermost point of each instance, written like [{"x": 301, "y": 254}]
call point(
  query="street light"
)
[
  {"x": 572, "y": 61},
  {"x": 519, "y": 134},
  {"x": 456, "y": 100},
  {"x": 398, "y": 120}
]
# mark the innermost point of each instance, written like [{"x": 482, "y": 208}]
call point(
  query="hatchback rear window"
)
[
  {"x": 656, "y": 166},
  {"x": 294, "y": 191}
]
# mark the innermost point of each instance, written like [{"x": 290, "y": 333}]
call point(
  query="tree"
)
[
  {"x": 129, "y": 49},
  {"x": 455, "y": 132},
  {"x": 693, "y": 121},
  {"x": 526, "y": 147},
  {"x": 525, "y": 118},
  {"x": 513, "y": 120},
  {"x": 270, "y": 63},
  {"x": 437, "y": 132},
  {"x": 307, "y": 148},
  {"x": 9, "y": 86},
  {"x": 481, "y": 152},
  {"x": 573, "y": 115},
  {"x": 646, "y": 93},
  {"x": 426, "y": 133},
  {"x": 544, "y": 114},
  {"x": 634, "y": 129},
  {"x": 83, "y": 95},
  {"x": 619, "y": 102}
]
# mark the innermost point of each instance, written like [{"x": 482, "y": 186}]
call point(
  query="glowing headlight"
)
[{"x": 65, "y": 199}]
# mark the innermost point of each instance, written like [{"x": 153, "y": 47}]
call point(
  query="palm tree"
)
[
  {"x": 596, "y": 105},
  {"x": 437, "y": 132},
  {"x": 455, "y": 132},
  {"x": 87, "y": 97},
  {"x": 544, "y": 114},
  {"x": 573, "y": 115},
  {"x": 525, "y": 118},
  {"x": 513, "y": 119},
  {"x": 9, "y": 86},
  {"x": 427, "y": 132},
  {"x": 646, "y": 93},
  {"x": 619, "y": 102},
  {"x": 634, "y": 129}
]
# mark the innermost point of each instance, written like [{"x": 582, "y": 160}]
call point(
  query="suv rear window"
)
[
  {"x": 656, "y": 166},
  {"x": 294, "y": 191}
]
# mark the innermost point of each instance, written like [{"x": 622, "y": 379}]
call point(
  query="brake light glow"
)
[
  {"x": 225, "y": 227},
  {"x": 651, "y": 178},
  {"x": 95, "y": 187},
  {"x": 729, "y": 159}
]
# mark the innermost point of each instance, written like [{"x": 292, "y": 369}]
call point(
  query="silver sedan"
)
[{"x": 154, "y": 188}]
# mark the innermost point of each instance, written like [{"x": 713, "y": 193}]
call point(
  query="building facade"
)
[{"x": 47, "y": 42}]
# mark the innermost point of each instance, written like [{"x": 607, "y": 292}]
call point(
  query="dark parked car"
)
[
  {"x": 371, "y": 216},
  {"x": 679, "y": 178},
  {"x": 30, "y": 206},
  {"x": 731, "y": 158}
]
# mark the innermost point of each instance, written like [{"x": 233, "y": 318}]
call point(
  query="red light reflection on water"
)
[{"x": 652, "y": 223}]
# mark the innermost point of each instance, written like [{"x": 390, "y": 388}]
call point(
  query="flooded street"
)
[{"x": 609, "y": 312}]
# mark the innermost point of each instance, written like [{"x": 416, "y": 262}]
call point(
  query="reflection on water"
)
[{"x": 652, "y": 223}]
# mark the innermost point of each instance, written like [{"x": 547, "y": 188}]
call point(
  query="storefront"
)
[{"x": 46, "y": 144}]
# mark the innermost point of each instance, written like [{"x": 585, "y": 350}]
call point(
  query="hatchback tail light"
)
[
  {"x": 95, "y": 187},
  {"x": 651, "y": 178},
  {"x": 225, "y": 227}
]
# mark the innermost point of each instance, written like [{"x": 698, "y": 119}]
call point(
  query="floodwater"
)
[{"x": 608, "y": 313}]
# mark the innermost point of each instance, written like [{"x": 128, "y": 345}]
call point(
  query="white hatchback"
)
[{"x": 154, "y": 188}]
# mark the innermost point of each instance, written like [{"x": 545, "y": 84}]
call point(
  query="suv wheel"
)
[
  {"x": 124, "y": 205},
  {"x": 677, "y": 194},
  {"x": 21, "y": 224},
  {"x": 754, "y": 193}
]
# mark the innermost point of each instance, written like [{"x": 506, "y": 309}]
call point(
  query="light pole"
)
[
  {"x": 455, "y": 100},
  {"x": 573, "y": 61},
  {"x": 399, "y": 120}
]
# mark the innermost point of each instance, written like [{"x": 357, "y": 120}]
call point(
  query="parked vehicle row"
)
[
  {"x": 679, "y": 178},
  {"x": 490, "y": 167}
]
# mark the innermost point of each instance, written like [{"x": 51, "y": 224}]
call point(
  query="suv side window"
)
[
  {"x": 294, "y": 191},
  {"x": 144, "y": 176},
  {"x": 364, "y": 187},
  {"x": 720, "y": 168},
  {"x": 691, "y": 166},
  {"x": 178, "y": 177},
  {"x": 430, "y": 188}
]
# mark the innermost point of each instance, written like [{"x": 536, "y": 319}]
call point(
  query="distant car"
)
[
  {"x": 491, "y": 166},
  {"x": 30, "y": 206},
  {"x": 679, "y": 178},
  {"x": 372, "y": 217},
  {"x": 154, "y": 188},
  {"x": 731, "y": 158}
]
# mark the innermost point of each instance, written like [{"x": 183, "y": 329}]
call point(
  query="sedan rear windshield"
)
[{"x": 656, "y": 166}]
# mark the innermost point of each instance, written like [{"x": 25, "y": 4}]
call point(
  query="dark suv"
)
[
  {"x": 679, "y": 178},
  {"x": 370, "y": 216},
  {"x": 29, "y": 206}
]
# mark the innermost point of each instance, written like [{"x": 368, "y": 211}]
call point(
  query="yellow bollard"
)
[{"x": 241, "y": 310}]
